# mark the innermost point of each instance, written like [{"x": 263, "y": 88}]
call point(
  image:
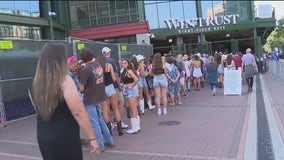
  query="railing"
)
[{"x": 277, "y": 68}]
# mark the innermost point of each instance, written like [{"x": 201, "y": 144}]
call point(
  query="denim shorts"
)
[
  {"x": 142, "y": 82},
  {"x": 220, "y": 69},
  {"x": 160, "y": 80},
  {"x": 130, "y": 92},
  {"x": 109, "y": 89},
  {"x": 119, "y": 95}
]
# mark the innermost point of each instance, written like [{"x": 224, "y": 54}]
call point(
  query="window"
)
[
  {"x": 73, "y": 13},
  {"x": 243, "y": 8},
  {"x": 176, "y": 9},
  {"x": 34, "y": 8},
  {"x": 20, "y": 32},
  {"x": 21, "y": 8},
  {"x": 151, "y": 15},
  {"x": 122, "y": 7},
  {"x": 123, "y": 14},
  {"x": 164, "y": 13},
  {"x": 212, "y": 8},
  {"x": 133, "y": 10},
  {"x": 103, "y": 12},
  {"x": 83, "y": 16},
  {"x": 93, "y": 13},
  {"x": 189, "y": 9},
  {"x": 113, "y": 15}
]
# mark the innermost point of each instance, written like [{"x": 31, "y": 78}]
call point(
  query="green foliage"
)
[{"x": 276, "y": 38}]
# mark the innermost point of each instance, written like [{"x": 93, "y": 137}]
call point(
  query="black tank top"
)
[
  {"x": 59, "y": 138},
  {"x": 108, "y": 78},
  {"x": 125, "y": 79}
]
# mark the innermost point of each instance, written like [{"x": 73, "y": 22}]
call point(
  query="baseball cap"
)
[
  {"x": 139, "y": 58},
  {"x": 105, "y": 50}
]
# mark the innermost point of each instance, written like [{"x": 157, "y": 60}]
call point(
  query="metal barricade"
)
[
  {"x": 18, "y": 64},
  {"x": 277, "y": 68}
]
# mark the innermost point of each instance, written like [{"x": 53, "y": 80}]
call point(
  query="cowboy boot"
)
[
  {"x": 109, "y": 127},
  {"x": 119, "y": 128}
]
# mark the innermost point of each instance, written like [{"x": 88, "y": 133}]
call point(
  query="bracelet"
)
[{"x": 93, "y": 139}]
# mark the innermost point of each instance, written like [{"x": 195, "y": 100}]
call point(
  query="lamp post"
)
[
  {"x": 51, "y": 24},
  {"x": 50, "y": 14},
  {"x": 171, "y": 44}
]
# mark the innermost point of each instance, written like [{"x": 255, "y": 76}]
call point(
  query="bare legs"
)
[
  {"x": 196, "y": 81},
  {"x": 161, "y": 94}
]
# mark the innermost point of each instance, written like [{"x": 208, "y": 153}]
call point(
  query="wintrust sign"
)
[{"x": 202, "y": 24}]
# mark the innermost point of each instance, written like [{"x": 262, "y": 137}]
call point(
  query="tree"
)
[{"x": 276, "y": 38}]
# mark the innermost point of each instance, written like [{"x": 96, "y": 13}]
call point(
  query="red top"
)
[{"x": 238, "y": 61}]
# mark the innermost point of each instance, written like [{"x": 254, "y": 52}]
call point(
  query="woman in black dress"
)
[{"x": 60, "y": 111}]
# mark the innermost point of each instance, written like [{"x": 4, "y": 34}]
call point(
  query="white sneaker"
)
[
  {"x": 165, "y": 111},
  {"x": 159, "y": 112},
  {"x": 151, "y": 107}
]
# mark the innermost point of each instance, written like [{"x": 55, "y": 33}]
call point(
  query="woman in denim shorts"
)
[
  {"x": 130, "y": 91},
  {"x": 109, "y": 78},
  {"x": 142, "y": 85},
  {"x": 160, "y": 83}
]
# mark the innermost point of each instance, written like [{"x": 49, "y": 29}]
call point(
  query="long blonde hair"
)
[{"x": 50, "y": 72}]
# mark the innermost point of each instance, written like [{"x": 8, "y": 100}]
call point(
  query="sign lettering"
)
[{"x": 180, "y": 23}]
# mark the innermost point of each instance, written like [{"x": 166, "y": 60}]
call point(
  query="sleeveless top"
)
[
  {"x": 108, "y": 78},
  {"x": 125, "y": 79},
  {"x": 59, "y": 138}
]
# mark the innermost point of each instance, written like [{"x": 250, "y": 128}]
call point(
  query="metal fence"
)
[
  {"x": 277, "y": 67},
  {"x": 18, "y": 64}
]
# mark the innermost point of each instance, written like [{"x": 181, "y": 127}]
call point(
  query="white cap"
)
[
  {"x": 105, "y": 50},
  {"x": 139, "y": 58}
]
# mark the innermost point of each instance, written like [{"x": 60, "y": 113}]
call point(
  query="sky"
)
[{"x": 278, "y": 5}]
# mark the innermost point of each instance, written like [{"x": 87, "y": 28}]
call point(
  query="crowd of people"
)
[{"x": 98, "y": 89}]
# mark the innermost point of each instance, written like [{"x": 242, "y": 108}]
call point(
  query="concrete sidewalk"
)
[
  {"x": 273, "y": 88},
  {"x": 204, "y": 127}
]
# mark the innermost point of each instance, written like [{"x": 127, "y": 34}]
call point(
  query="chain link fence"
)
[{"x": 18, "y": 61}]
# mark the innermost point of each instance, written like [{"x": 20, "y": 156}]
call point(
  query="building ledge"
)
[{"x": 112, "y": 31}]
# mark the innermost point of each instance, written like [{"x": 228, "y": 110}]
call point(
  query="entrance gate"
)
[{"x": 229, "y": 46}]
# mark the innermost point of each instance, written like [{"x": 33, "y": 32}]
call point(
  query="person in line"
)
[
  {"x": 93, "y": 88},
  {"x": 219, "y": 61},
  {"x": 212, "y": 74},
  {"x": 130, "y": 79},
  {"x": 230, "y": 64},
  {"x": 116, "y": 67},
  {"x": 109, "y": 77},
  {"x": 160, "y": 83},
  {"x": 59, "y": 109},
  {"x": 197, "y": 73},
  {"x": 237, "y": 58},
  {"x": 274, "y": 56},
  {"x": 173, "y": 81},
  {"x": 150, "y": 80},
  {"x": 249, "y": 67},
  {"x": 180, "y": 63},
  {"x": 142, "y": 85},
  {"x": 187, "y": 64},
  {"x": 74, "y": 68}
]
